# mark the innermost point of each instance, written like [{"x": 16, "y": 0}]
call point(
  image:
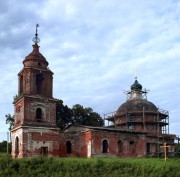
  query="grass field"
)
[{"x": 95, "y": 167}]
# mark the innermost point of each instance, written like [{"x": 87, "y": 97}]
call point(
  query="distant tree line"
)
[{"x": 3, "y": 147}]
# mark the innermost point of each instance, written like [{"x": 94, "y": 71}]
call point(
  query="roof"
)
[
  {"x": 137, "y": 105},
  {"x": 83, "y": 128},
  {"x": 36, "y": 55}
]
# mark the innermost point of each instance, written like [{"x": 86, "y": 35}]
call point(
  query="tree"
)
[
  {"x": 10, "y": 121},
  {"x": 78, "y": 115},
  {"x": 63, "y": 115},
  {"x": 86, "y": 116}
]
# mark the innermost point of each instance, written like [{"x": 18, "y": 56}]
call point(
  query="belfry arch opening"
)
[
  {"x": 16, "y": 147},
  {"x": 21, "y": 85},
  {"x": 69, "y": 147},
  {"x": 39, "y": 83},
  {"x": 105, "y": 146},
  {"x": 39, "y": 115}
]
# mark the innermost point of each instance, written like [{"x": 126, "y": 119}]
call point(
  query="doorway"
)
[{"x": 44, "y": 151}]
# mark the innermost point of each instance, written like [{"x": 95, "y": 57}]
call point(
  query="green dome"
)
[{"x": 136, "y": 86}]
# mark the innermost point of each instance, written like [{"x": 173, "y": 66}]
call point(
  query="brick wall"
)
[
  {"x": 33, "y": 140},
  {"x": 132, "y": 145}
]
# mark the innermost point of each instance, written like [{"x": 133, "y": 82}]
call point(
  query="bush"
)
[{"x": 95, "y": 167}]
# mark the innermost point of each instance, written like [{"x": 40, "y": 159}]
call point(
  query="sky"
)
[{"x": 95, "y": 49}]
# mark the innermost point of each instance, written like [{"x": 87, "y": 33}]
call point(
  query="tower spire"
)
[{"x": 36, "y": 39}]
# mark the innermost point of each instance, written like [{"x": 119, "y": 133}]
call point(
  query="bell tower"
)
[{"x": 34, "y": 107}]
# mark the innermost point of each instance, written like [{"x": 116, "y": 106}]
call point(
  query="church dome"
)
[
  {"x": 137, "y": 105},
  {"x": 136, "y": 85},
  {"x": 136, "y": 101},
  {"x": 35, "y": 59}
]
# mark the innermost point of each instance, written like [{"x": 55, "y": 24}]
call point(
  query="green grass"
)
[
  {"x": 3, "y": 154},
  {"x": 95, "y": 167}
]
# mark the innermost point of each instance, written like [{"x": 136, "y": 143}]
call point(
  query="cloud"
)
[{"x": 94, "y": 48}]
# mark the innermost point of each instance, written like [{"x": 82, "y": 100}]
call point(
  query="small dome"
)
[
  {"x": 136, "y": 86},
  {"x": 35, "y": 59},
  {"x": 137, "y": 105},
  {"x": 35, "y": 54}
]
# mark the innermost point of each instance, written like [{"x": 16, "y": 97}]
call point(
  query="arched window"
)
[
  {"x": 105, "y": 146},
  {"x": 16, "y": 147},
  {"x": 39, "y": 83},
  {"x": 120, "y": 146},
  {"x": 39, "y": 115},
  {"x": 69, "y": 147},
  {"x": 132, "y": 147}
]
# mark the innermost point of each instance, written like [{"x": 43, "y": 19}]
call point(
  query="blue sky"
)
[{"x": 94, "y": 48}]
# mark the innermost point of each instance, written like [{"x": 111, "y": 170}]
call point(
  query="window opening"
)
[
  {"x": 39, "y": 83},
  {"x": 132, "y": 147},
  {"x": 21, "y": 84},
  {"x": 120, "y": 146},
  {"x": 105, "y": 146},
  {"x": 39, "y": 115},
  {"x": 131, "y": 126},
  {"x": 131, "y": 142},
  {"x": 148, "y": 147},
  {"x": 69, "y": 147},
  {"x": 155, "y": 127}
]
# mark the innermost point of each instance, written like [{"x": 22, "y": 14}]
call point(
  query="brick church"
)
[{"x": 137, "y": 129}]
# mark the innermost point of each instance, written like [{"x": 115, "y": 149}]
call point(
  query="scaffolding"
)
[
  {"x": 177, "y": 147},
  {"x": 161, "y": 119},
  {"x": 130, "y": 119},
  {"x": 139, "y": 115},
  {"x": 142, "y": 92}
]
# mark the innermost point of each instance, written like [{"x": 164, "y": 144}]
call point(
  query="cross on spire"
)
[
  {"x": 37, "y": 25},
  {"x": 36, "y": 39}
]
